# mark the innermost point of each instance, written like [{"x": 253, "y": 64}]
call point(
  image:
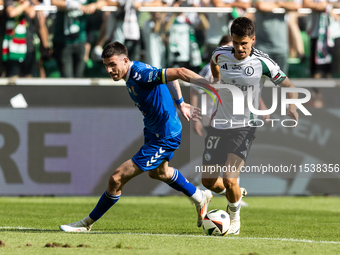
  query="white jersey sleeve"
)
[{"x": 270, "y": 68}]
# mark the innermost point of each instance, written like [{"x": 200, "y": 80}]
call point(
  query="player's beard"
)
[{"x": 243, "y": 54}]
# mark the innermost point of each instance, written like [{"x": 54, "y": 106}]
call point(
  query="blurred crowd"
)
[{"x": 71, "y": 39}]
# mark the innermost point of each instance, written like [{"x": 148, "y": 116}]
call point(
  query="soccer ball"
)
[{"x": 216, "y": 223}]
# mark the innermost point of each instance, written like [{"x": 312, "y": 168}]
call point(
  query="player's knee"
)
[
  {"x": 153, "y": 175},
  {"x": 158, "y": 175},
  {"x": 208, "y": 182},
  {"x": 114, "y": 182},
  {"x": 229, "y": 182}
]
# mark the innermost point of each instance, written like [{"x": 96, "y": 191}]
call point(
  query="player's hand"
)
[
  {"x": 197, "y": 126},
  {"x": 189, "y": 111},
  {"x": 293, "y": 113}
]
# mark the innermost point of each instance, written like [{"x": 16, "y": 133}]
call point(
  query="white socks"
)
[{"x": 235, "y": 209}]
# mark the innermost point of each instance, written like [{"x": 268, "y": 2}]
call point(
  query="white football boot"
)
[
  {"x": 202, "y": 207},
  {"x": 243, "y": 192},
  {"x": 79, "y": 226},
  {"x": 234, "y": 228}
]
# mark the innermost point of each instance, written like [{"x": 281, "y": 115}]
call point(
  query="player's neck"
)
[{"x": 128, "y": 65}]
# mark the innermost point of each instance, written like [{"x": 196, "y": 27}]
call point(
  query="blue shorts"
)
[{"x": 155, "y": 151}]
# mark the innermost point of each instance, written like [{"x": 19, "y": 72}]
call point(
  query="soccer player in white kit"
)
[{"x": 228, "y": 143}]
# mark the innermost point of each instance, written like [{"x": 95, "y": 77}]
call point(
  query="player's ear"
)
[{"x": 126, "y": 60}]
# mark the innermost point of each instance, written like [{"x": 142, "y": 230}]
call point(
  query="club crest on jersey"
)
[
  {"x": 249, "y": 71},
  {"x": 207, "y": 156}
]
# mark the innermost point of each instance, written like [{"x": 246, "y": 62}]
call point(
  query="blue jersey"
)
[{"x": 147, "y": 88}]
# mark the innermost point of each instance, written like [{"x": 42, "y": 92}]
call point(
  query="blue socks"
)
[
  {"x": 180, "y": 183},
  {"x": 105, "y": 202}
]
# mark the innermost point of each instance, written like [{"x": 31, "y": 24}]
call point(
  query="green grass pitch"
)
[{"x": 167, "y": 225}]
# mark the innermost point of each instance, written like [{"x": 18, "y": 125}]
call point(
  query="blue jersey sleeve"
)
[{"x": 146, "y": 76}]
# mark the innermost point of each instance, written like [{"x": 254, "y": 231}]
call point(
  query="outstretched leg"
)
[{"x": 118, "y": 179}]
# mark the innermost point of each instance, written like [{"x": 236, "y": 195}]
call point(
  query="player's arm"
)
[
  {"x": 175, "y": 90},
  {"x": 182, "y": 73},
  {"x": 197, "y": 125},
  {"x": 279, "y": 78},
  {"x": 187, "y": 75},
  {"x": 291, "y": 95},
  {"x": 263, "y": 106},
  {"x": 215, "y": 70},
  {"x": 188, "y": 111},
  {"x": 149, "y": 76}
]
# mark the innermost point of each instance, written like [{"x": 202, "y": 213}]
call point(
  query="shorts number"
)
[{"x": 212, "y": 142}]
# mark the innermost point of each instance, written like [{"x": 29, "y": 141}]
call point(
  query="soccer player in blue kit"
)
[{"x": 149, "y": 89}]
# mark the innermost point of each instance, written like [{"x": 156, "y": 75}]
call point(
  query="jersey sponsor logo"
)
[
  {"x": 225, "y": 66},
  {"x": 148, "y": 66},
  {"x": 236, "y": 67},
  {"x": 249, "y": 71},
  {"x": 154, "y": 158}
]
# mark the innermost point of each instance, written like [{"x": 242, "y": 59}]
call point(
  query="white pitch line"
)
[
  {"x": 193, "y": 236},
  {"x": 18, "y": 228}
]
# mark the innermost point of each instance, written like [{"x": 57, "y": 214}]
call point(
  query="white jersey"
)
[{"x": 249, "y": 72}]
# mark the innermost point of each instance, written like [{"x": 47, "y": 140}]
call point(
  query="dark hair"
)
[
  {"x": 242, "y": 27},
  {"x": 114, "y": 48},
  {"x": 225, "y": 40}
]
